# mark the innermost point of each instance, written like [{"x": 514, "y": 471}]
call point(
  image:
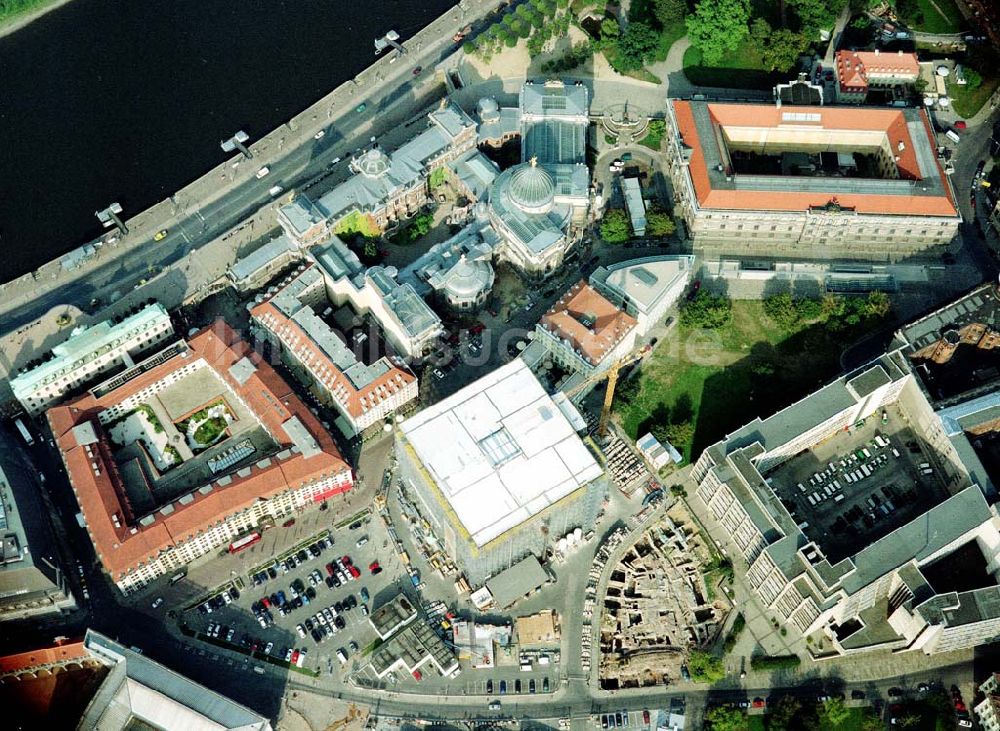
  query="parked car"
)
[{"x": 157, "y": 602}]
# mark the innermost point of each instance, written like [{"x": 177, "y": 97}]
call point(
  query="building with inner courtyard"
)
[
  {"x": 199, "y": 445},
  {"x": 862, "y": 518},
  {"x": 771, "y": 183}
]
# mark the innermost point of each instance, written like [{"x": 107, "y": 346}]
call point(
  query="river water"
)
[{"x": 127, "y": 100}]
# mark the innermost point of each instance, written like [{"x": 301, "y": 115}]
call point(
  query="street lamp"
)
[
  {"x": 236, "y": 142},
  {"x": 109, "y": 217}
]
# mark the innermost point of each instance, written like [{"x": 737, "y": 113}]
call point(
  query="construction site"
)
[{"x": 657, "y": 607}]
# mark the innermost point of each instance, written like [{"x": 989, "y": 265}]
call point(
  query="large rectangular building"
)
[
  {"x": 859, "y": 520},
  {"x": 810, "y": 183},
  {"x": 91, "y": 353},
  {"x": 497, "y": 468},
  {"x": 200, "y": 444}
]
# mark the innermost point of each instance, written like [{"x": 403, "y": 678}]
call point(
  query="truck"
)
[{"x": 25, "y": 434}]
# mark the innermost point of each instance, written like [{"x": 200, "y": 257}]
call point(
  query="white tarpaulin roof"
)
[{"x": 501, "y": 451}]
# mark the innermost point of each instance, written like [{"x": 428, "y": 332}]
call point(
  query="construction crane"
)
[{"x": 612, "y": 375}]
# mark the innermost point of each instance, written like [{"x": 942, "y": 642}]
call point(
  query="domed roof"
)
[
  {"x": 374, "y": 163},
  {"x": 467, "y": 279},
  {"x": 531, "y": 188}
]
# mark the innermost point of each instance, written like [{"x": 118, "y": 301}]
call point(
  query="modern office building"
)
[
  {"x": 387, "y": 187},
  {"x": 410, "y": 326},
  {"x": 32, "y": 579},
  {"x": 497, "y": 468},
  {"x": 585, "y": 333},
  {"x": 199, "y": 445},
  {"x": 97, "y": 683},
  {"x": 645, "y": 288},
  {"x": 348, "y": 367},
  {"x": 768, "y": 183},
  {"x": 860, "y": 520},
  {"x": 91, "y": 353},
  {"x": 860, "y": 71}
]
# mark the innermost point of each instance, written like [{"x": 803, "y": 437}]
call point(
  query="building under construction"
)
[{"x": 500, "y": 471}]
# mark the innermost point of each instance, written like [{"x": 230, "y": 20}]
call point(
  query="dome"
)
[
  {"x": 531, "y": 188},
  {"x": 469, "y": 279},
  {"x": 374, "y": 163}
]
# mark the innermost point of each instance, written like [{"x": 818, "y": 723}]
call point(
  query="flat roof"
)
[
  {"x": 705, "y": 127},
  {"x": 520, "y": 579},
  {"x": 500, "y": 451},
  {"x": 643, "y": 282}
]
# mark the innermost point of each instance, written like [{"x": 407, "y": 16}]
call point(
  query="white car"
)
[
  {"x": 302, "y": 658},
  {"x": 320, "y": 135},
  {"x": 263, "y": 172},
  {"x": 158, "y": 601},
  {"x": 270, "y": 646},
  {"x": 301, "y": 630}
]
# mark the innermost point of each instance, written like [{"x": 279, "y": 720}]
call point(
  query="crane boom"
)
[{"x": 612, "y": 375}]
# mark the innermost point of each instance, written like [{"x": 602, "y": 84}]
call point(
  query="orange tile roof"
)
[
  {"x": 855, "y": 68},
  {"x": 101, "y": 494},
  {"x": 892, "y": 121},
  {"x": 43, "y": 656},
  {"x": 394, "y": 379},
  {"x": 610, "y": 323}
]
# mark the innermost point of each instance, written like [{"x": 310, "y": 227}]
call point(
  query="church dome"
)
[
  {"x": 531, "y": 188},
  {"x": 374, "y": 163}
]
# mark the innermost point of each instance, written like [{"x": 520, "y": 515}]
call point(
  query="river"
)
[{"x": 127, "y": 100}]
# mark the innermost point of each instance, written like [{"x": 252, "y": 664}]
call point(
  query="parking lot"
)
[
  {"x": 308, "y": 605},
  {"x": 860, "y": 485}
]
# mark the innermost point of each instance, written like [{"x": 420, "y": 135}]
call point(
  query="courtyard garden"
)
[
  {"x": 729, "y": 361},
  {"x": 207, "y": 427},
  {"x": 143, "y": 427}
]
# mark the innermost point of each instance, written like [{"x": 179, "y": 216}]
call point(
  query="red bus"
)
[{"x": 245, "y": 542}]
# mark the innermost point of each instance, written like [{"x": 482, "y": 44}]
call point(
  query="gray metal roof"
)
[
  {"x": 476, "y": 171},
  {"x": 248, "y": 265},
  {"x": 639, "y": 285},
  {"x": 301, "y": 438},
  {"x": 337, "y": 259},
  {"x": 115, "y": 707},
  {"x": 513, "y": 583}
]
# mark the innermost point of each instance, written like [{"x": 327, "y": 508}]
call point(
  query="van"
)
[
  {"x": 342, "y": 656},
  {"x": 817, "y": 497},
  {"x": 927, "y": 471},
  {"x": 895, "y": 453},
  {"x": 263, "y": 172},
  {"x": 839, "y": 498},
  {"x": 952, "y": 135},
  {"x": 275, "y": 190},
  {"x": 811, "y": 501}
]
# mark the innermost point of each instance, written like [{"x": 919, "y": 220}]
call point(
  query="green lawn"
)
[
  {"x": 208, "y": 431},
  {"x": 742, "y": 68},
  {"x": 756, "y": 723},
  {"x": 722, "y": 379},
  {"x": 944, "y": 18},
  {"x": 968, "y": 103},
  {"x": 13, "y": 9}
]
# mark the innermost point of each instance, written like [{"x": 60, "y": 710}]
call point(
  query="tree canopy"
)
[
  {"x": 724, "y": 718},
  {"x": 615, "y": 226},
  {"x": 669, "y": 12},
  {"x": 783, "y": 48},
  {"x": 706, "y": 311},
  {"x": 636, "y": 46},
  {"x": 659, "y": 223},
  {"x": 816, "y": 14},
  {"x": 718, "y": 26}
]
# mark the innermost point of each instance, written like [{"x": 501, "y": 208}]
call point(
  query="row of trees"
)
[
  {"x": 836, "y": 312},
  {"x": 789, "y": 713},
  {"x": 538, "y": 21}
]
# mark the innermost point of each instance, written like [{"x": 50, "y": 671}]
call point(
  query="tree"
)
[
  {"x": 781, "y": 308},
  {"x": 760, "y": 30},
  {"x": 834, "y": 713},
  {"x": 420, "y": 225},
  {"x": 877, "y": 304},
  {"x": 816, "y": 14},
  {"x": 783, "y": 48},
  {"x": 469, "y": 47},
  {"x": 783, "y": 714},
  {"x": 609, "y": 28},
  {"x": 669, "y": 12},
  {"x": 636, "y": 46},
  {"x": 659, "y": 223},
  {"x": 705, "y": 667},
  {"x": 718, "y": 26},
  {"x": 615, "y": 226},
  {"x": 973, "y": 79},
  {"x": 706, "y": 311},
  {"x": 724, "y": 718}
]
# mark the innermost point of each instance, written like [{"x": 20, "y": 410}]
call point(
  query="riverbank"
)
[{"x": 17, "y": 19}]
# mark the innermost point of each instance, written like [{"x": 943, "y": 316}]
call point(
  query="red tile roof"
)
[
  {"x": 43, "y": 656},
  {"x": 393, "y": 380},
  {"x": 609, "y": 327},
  {"x": 891, "y": 121},
  {"x": 102, "y": 496},
  {"x": 855, "y": 68}
]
